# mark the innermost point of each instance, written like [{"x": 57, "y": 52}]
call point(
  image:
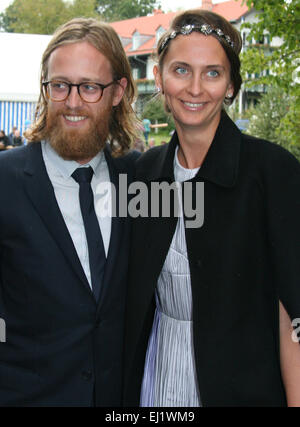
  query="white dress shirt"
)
[{"x": 67, "y": 195}]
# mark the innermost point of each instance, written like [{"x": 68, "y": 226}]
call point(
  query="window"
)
[
  {"x": 136, "y": 40},
  {"x": 135, "y": 73},
  {"x": 159, "y": 32},
  {"x": 244, "y": 38}
]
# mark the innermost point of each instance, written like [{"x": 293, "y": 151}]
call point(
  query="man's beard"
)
[{"x": 74, "y": 144}]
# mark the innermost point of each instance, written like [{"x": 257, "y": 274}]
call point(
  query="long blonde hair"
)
[{"x": 123, "y": 122}]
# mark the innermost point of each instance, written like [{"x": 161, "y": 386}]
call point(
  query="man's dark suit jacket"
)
[{"x": 62, "y": 348}]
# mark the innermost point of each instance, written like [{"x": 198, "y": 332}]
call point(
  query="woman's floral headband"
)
[{"x": 204, "y": 29}]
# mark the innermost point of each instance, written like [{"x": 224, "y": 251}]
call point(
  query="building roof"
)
[{"x": 232, "y": 10}]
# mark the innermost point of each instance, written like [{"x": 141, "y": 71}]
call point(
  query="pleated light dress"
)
[{"x": 170, "y": 375}]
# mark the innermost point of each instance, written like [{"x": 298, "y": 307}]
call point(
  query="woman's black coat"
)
[{"x": 243, "y": 259}]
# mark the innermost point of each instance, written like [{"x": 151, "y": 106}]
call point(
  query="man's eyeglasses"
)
[{"x": 88, "y": 91}]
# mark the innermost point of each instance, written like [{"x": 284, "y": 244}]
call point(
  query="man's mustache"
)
[{"x": 72, "y": 111}]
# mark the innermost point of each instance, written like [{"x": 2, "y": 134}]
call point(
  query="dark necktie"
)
[{"x": 97, "y": 256}]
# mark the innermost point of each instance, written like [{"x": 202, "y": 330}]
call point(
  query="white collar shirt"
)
[{"x": 66, "y": 191}]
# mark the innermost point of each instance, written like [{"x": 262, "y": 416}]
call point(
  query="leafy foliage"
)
[
  {"x": 154, "y": 110},
  {"x": 43, "y": 16},
  {"x": 289, "y": 130},
  {"x": 274, "y": 120},
  {"x": 280, "y": 20},
  {"x": 117, "y": 10},
  {"x": 83, "y": 8}
]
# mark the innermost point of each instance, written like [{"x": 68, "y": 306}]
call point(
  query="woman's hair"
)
[
  {"x": 223, "y": 31},
  {"x": 122, "y": 126}
]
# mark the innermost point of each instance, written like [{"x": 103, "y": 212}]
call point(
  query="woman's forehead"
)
[{"x": 196, "y": 48}]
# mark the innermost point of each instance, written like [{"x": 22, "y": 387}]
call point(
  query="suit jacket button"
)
[{"x": 87, "y": 375}]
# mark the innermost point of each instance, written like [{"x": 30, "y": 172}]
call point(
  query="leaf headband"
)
[{"x": 205, "y": 29}]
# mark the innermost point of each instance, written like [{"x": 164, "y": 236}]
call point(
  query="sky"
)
[
  {"x": 4, "y": 4},
  {"x": 173, "y": 5},
  {"x": 167, "y": 5}
]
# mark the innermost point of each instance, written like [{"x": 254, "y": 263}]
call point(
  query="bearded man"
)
[{"x": 63, "y": 263}]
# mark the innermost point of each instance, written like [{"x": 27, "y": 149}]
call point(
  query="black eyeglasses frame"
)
[{"x": 70, "y": 85}]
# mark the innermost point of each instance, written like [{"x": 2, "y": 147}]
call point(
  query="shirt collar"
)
[{"x": 65, "y": 168}]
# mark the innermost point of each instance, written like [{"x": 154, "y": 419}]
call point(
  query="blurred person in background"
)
[{"x": 4, "y": 140}]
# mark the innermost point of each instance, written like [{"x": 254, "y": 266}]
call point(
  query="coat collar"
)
[{"x": 220, "y": 165}]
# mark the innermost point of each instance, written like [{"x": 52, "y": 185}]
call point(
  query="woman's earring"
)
[{"x": 229, "y": 95}]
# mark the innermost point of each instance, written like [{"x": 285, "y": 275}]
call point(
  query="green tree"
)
[
  {"x": 289, "y": 129},
  {"x": 272, "y": 117},
  {"x": 154, "y": 110},
  {"x": 82, "y": 8},
  {"x": 265, "y": 117},
  {"x": 118, "y": 10},
  {"x": 43, "y": 16},
  {"x": 277, "y": 19}
]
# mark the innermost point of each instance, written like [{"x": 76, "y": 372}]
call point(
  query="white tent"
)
[{"x": 21, "y": 56}]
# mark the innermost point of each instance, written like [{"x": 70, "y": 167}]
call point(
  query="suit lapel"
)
[
  {"x": 41, "y": 193},
  {"x": 117, "y": 228}
]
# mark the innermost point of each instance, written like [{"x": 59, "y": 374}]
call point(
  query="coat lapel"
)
[
  {"x": 159, "y": 169},
  {"x": 219, "y": 167},
  {"x": 41, "y": 193}
]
